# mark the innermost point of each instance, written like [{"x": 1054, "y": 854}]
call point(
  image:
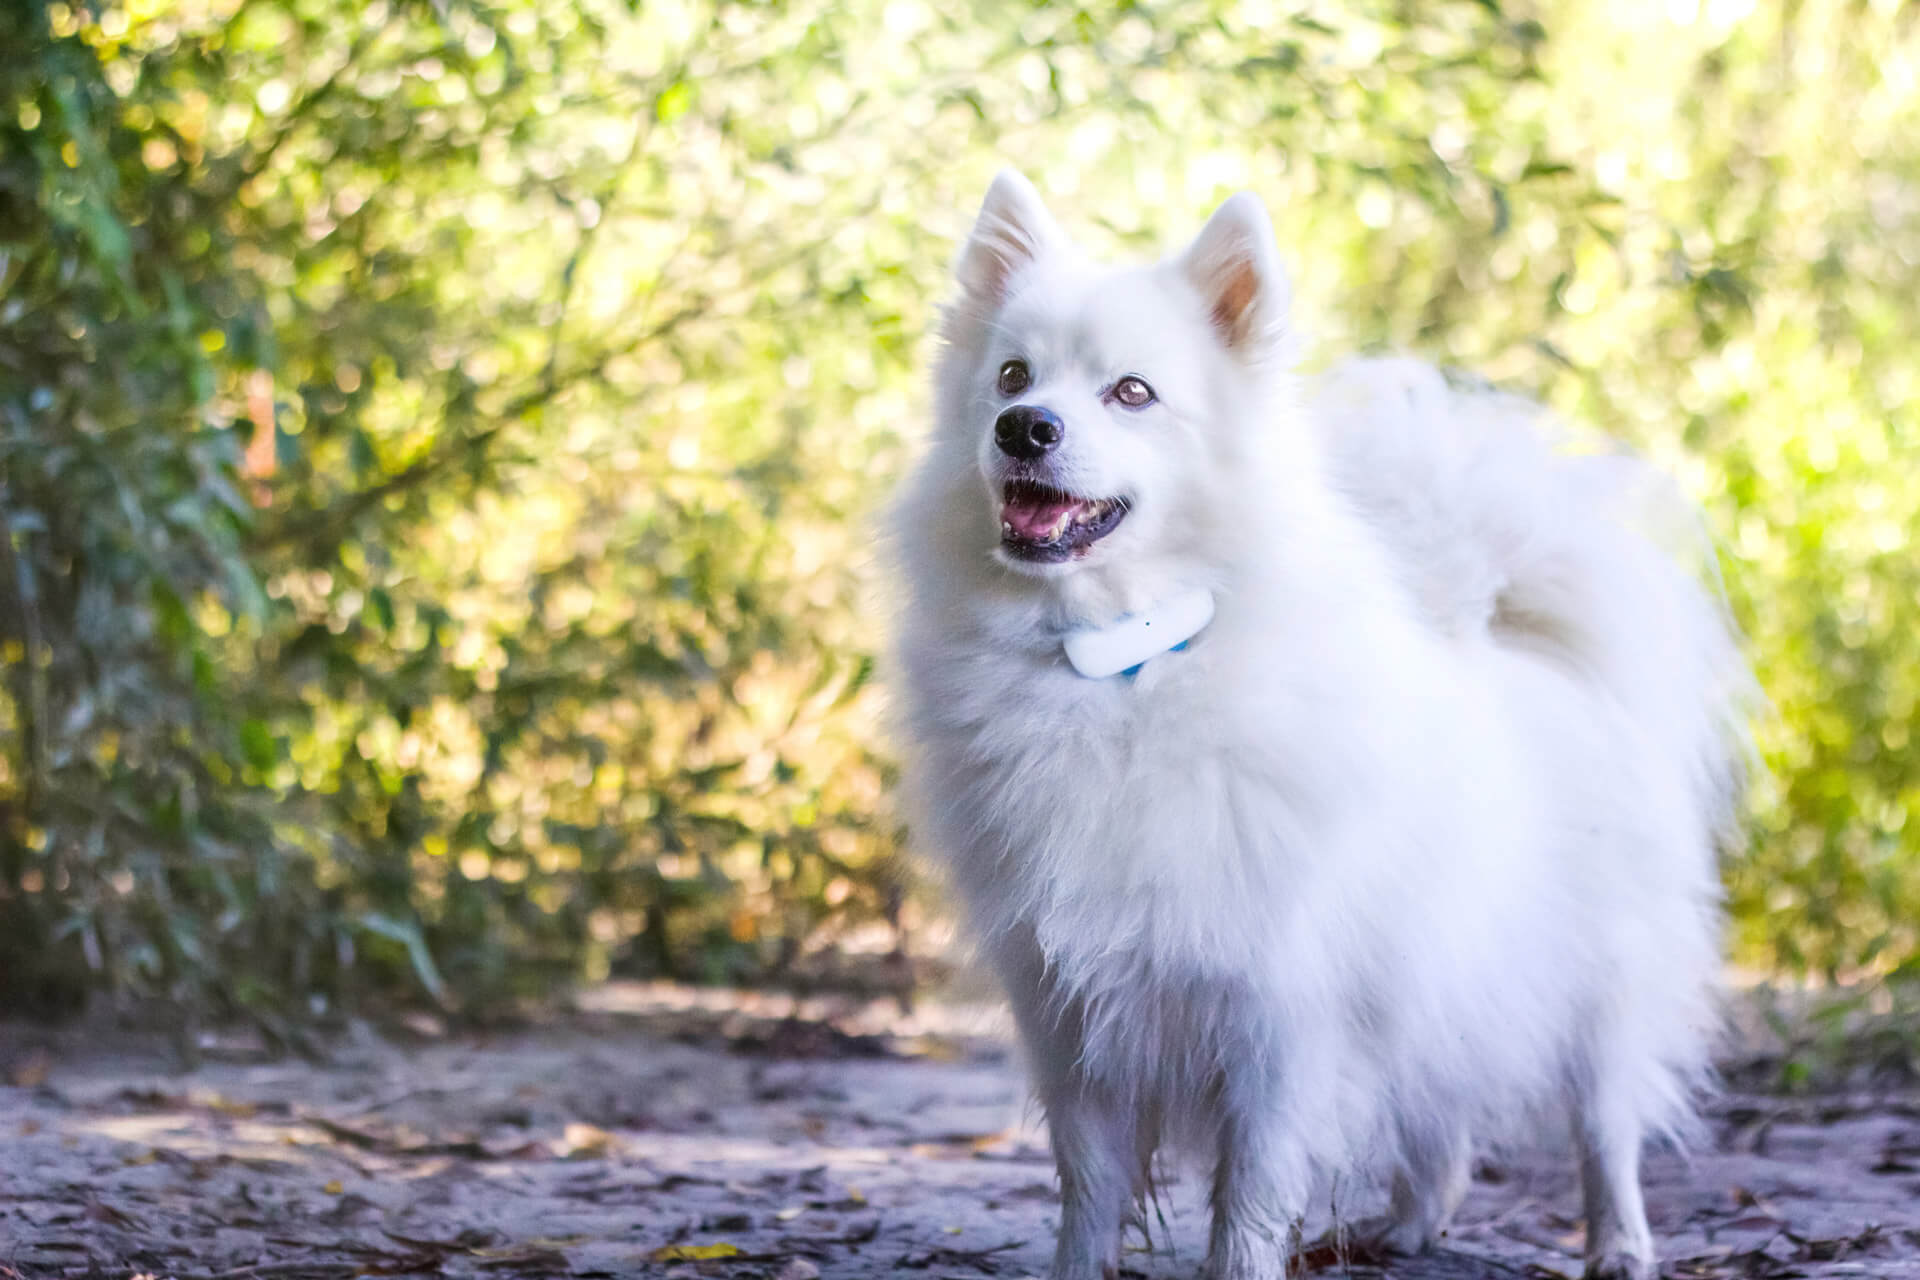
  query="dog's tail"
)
[{"x": 1592, "y": 559}]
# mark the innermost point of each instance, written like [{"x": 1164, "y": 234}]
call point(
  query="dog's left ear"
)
[{"x": 1233, "y": 266}]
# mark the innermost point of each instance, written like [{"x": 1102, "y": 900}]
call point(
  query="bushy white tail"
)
[{"x": 1592, "y": 559}]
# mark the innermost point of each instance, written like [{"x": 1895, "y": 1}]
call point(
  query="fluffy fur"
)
[{"x": 1416, "y": 836}]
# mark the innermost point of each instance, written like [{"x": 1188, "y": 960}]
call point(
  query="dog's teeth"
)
[{"x": 1006, "y": 526}]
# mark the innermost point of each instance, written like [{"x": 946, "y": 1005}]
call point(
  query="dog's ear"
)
[
  {"x": 1013, "y": 229},
  {"x": 1233, "y": 266}
]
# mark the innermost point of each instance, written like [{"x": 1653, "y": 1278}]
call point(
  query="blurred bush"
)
[{"x": 439, "y": 442}]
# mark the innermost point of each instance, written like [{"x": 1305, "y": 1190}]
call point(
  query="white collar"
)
[{"x": 1123, "y": 647}]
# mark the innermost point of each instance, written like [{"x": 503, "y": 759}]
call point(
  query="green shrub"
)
[{"x": 440, "y": 443}]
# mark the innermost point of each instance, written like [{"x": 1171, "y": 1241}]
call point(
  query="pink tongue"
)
[{"x": 1034, "y": 519}]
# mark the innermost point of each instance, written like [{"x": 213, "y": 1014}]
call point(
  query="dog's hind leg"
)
[
  {"x": 1607, "y": 1132},
  {"x": 1435, "y": 1171}
]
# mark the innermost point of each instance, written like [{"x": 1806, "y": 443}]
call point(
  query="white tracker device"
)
[{"x": 1097, "y": 653}]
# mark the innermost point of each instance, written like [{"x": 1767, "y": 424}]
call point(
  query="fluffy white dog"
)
[{"x": 1332, "y": 771}]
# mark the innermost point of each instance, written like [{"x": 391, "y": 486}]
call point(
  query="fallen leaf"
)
[
  {"x": 694, "y": 1252},
  {"x": 101, "y": 1211},
  {"x": 521, "y": 1250},
  {"x": 1746, "y": 1199},
  {"x": 936, "y": 1049},
  {"x": 470, "y": 1239},
  {"x": 466, "y": 1149},
  {"x": 31, "y": 1072},
  {"x": 424, "y": 1025},
  {"x": 540, "y": 1259},
  {"x": 978, "y": 1259},
  {"x": 959, "y": 1146},
  {"x": 334, "y": 1188},
  {"x": 582, "y": 1141}
]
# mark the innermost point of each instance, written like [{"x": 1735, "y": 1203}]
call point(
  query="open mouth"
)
[{"x": 1038, "y": 522}]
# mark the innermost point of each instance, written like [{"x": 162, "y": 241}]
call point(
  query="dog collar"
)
[{"x": 1123, "y": 647}]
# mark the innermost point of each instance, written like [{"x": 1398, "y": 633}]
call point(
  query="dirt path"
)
[{"x": 688, "y": 1142}]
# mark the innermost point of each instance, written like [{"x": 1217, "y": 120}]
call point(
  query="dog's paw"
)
[
  {"x": 1622, "y": 1264},
  {"x": 1083, "y": 1269},
  {"x": 1389, "y": 1236},
  {"x": 1250, "y": 1258},
  {"x": 1370, "y": 1242},
  {"x": 1250, "y": 1269}
]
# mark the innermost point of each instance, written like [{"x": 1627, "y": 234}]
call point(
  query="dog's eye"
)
[
  {"x": 1014, "y": 378},
  {"x": 1132, "y": 392}
]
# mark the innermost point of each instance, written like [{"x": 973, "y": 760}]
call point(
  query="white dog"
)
[{"x": 1332, "y": 772}]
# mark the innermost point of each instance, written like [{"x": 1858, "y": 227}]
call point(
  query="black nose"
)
[{"x": 1026, "y": 431}]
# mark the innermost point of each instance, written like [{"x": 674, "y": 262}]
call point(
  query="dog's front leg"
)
[
  {"x": 1096, "y": 1145},
  {"x": 1260, "y": 1190},
  {"x": 1101, "y": 1143}
]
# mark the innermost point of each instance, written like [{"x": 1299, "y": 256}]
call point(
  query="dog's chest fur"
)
[{"x": 1144, "y": 832}]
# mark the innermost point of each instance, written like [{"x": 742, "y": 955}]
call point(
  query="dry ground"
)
[{"x": 674, "y": 1134}]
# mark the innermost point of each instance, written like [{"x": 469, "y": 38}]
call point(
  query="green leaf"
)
[
  {"x": 381, "y": 605},
  {"x": 258, "y": 745},
  {"x": 407, "y": 934},
  {"x": 673, "y": 102}
]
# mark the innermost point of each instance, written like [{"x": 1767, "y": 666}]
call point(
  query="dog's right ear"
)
[{"x": 1013, "y": 229}]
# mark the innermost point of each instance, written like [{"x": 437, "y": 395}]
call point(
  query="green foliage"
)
[
  {"x": 440, "y": 442},
  {"x": 131, "y": 843}
]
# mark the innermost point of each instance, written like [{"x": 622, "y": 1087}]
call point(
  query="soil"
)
[{"x": 669, "y": 1133}]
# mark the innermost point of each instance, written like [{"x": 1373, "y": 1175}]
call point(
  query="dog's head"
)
[{"x": 1107, "y": 409}]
